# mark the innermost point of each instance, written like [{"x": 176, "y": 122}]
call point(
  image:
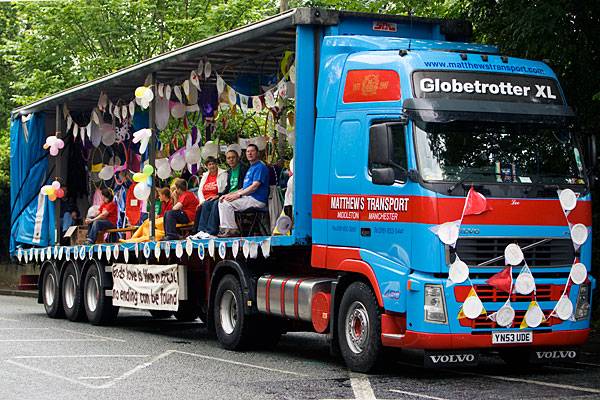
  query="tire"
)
[
  {"x": 98, "y": 307},
  {"x": 186, "y": 312},
  {"x": 232, "y": 326},
  {"x": 161, "y": 314},
  {"x": 359, "y": 328},
  {"x": 71, "y": 294},
  {"x": 51, "y": 293}
]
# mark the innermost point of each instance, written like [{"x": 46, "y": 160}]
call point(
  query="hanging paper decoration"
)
[
  {"x": 253, "y": 250},
  {"x": 177, "y": 91},
  {"x": 563, "y": 308},
  {"x": 292, "y": 74},
  {"x": 222, "y": 250},
  {"x": 91, "y": 252},
  {"x": 579, "y": 234},
  {"x": 256, "y": 104},
  {"x": 246, "y": 248},
  {"x": 244, "y": 103},
  {"x": 68, "y": 254},
  {"x": 505, "y": 315},
  {"x": 132, "y": 108},
  {"x": 146, "y": 250},
  {"x": 178, "y": 160},
  {"x": 178, "y": 249},
  {"x": 232, "y": 96},
  {"x": 19, "y": 254},
  {"x": 186, "y": 87},
  {"x": 211, "y": 248},
  {"x": 458, "y": 272},
  {"x": 163, "y": 169},
  {"x": 265, "y": 246},
  {"x": 81, "y": 252},
  {"x": 200, "y": 68},
  {"x": 578, "y": 273},
  {"x": 533, "y": 317},
  {"x": 220, "y": 85},
  {"x": 207, "y": 69},
  {"x": 42, "y": 256},
  {"x": 525, "y": 283},
  {"x": 201, "y": 251},
  {"x": 126, "y": 254},
  {"x": 568, "y": 200},
  {"x": 54, "y": 144},
  {"x": 502, "y": 280},
  {"x": 136, "y": 249},
  {"x": 472, "y": 306},
  {"x": 189, "y": 247},
  {"x": 235, "y": 248},
  {"x": 475, "y": 204},
  {"x": 143, "y": 96},
  {"x": 108, "y": 252},
  {"x": 168, "y": 91},
  {"x": 194, "y": 79},
  {"x": 60, "y": 252},
  {"x": 513, "y": 255},
  {"x": 157, "y": 251},
  {"x": 447, "y": 232},
  {"x": 269, "y": 99}
]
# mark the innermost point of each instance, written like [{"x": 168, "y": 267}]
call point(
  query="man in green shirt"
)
[{"x": 209, "y": 213}]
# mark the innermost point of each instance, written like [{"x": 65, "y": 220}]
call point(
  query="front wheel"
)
[
  {"x": 232, "y": 326},
  {"x": 359, "y": 328}
]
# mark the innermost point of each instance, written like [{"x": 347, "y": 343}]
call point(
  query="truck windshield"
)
[{"x": 489, "y": 152}]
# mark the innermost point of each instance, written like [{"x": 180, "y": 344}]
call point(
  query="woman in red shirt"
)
[
  {"x": 183, "y": 210},
  {"x": 106, "y": 218},
  {"x": 213, "y": 182}
]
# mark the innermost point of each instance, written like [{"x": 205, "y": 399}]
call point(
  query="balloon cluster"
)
[
  {"x": 53, "y": 191},
  {"x": 143, "y": 96},
  {"x": 54, "y": 144},
  {"x": 141, "y": 191}
]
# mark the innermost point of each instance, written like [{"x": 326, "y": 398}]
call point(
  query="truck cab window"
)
[{"x": 397, "y": 158}]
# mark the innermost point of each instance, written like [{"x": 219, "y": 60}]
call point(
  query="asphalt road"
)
[{"x": 142, "y": 358}]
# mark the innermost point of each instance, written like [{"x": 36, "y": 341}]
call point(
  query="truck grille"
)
[
  {"x": 482, "y": 322},
  {"x": 548, "y": 253},
  {"x": 489, "y": 294}
]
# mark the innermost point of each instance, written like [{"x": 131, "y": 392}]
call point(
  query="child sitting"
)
[
  {"x": 106, "y": 218},
  {"x": 183, "y": 210}
]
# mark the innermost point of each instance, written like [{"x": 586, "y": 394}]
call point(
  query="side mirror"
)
[
  {"x": 591, "y": 148},
  {"x": 383, "y": 176},
  {"x": 381, "y": 143}
]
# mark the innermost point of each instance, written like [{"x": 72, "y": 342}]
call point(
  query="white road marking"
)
[
  {"x": 84, "y": 356},
  {"x": 361, "y": 387},
  {"x": 136, "y": 369},
  {"x": 283, "y": 371},
  {"x": 95, "y": 377},
  {"x": 52, "y": 340},
  {"x": 24, "y": 329},
  {"x": 423, "y": 396},
  {"x": 587, "y": 363},
  {"x": 50, "y": 374},
  {"x": 91, "y": 335},
  {"x": 541, "y": 383},
  {"x": 8, "y": 319}
]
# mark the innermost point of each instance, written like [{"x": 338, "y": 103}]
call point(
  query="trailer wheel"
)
[
  {"x": 359, "y": 328},
  {"x": 161, "y": 314},
  {"x": 72, "y": 294},
  {"x": 98, "y": 307},
  {"x": 231, "y": 324},
  {"x": 51, "y": 293}
]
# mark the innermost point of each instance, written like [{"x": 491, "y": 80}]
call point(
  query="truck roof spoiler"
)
[{"x": 448, "y": 110}]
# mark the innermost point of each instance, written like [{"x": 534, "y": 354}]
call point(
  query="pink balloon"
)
[
  {"x": 60, "y": 143},
  {"x": 53, "y": 151}
]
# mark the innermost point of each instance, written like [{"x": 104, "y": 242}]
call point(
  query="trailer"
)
[{"x": 440, "y": 203}]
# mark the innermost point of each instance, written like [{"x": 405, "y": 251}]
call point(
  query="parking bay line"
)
[
  {"x": 91, "y": 335},
  {"x": 50, "y": 374},
  {"x": 83, "y": 356},
  {"x": 423, "y": 396}
]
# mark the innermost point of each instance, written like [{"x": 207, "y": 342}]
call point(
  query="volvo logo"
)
[{"x": 469, "y": 231}]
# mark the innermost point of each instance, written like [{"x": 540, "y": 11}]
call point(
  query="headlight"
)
[
  {"x": 582, "y": 311},
  {"x": 435, "y": 307}
]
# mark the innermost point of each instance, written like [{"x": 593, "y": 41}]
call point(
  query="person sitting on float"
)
[
  {"x": 213, "y": 182},
  {"x": 208, "y": 217},
  {"x": 183, "y": 210},
  {"x": 106, "y": 218},
  {"x": 164, "y": 204}
]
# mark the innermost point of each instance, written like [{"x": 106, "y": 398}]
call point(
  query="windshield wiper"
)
[{"x": 467, "y": 176}]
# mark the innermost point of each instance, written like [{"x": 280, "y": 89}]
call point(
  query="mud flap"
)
[{"x": 454, "y": 358}]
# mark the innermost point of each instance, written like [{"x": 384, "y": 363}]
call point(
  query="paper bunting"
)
[
  {"x": 505, "y": 315},
  {"x": 246, "y": 249},
  {"x": 222, "y": 250},
  {"x": 211, "y": 248},
  {"x": 76, "y": 253},
  {"x": 108, "y": 253},
  {"x": 533, "y": 317},
  {"x": 189, "y": 247},
  {"x": 458, "y": 272},
  {"x": 201, "y": 251},
  {"x": 19, "y": 254},
  {"x": 256, "y": 104},
  {"x": 157, "y": 251},
  {"x": 178, "y": 249},
  {"x": 235, "y": 248},
  {"x": 568, "y": 200},
  {"x": 207, "y": 69},
  {"x": 116, "y": 252},
  {"x": 200, "y": 68},
  {"x": 265, "y": 246},
  {"x": 194, "y": 79},
  {"x": 472, "y": 306},
  {"x": 578, "y": 273},
  {"x": 525, "y": 283},
  {"x": 253, "y": 250},
  {"x": 220, "y": 85},
  {"x": 68, "y": 253},
  {"x": 502, "y": 280},
  {"x": 42, "y": 255},
  {"x": 136, "y": 249},
  {"x": 91, "y": 252},
  {"x": 563, "y": 308},
  {"x": 447, "y": 232},
  {"x": 579, "y": 234},
  {"x": 126, "y": 254},
  {"x": 167, "y": 249},
  {"x": 146, "y": 251}
]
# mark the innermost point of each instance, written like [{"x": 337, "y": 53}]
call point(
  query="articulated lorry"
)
[{"x": 441, "y": 200}]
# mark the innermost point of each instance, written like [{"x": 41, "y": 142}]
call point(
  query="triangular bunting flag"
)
[
  {"x": 502, "y": 280},
  {"x": 475, "y": 203}
]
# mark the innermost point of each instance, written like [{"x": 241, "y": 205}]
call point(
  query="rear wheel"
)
[
  {"x": 232, "y": 326},
  {"x": 98, "y": 307},
  {"x": 51, "y": 293},
  {"x": 359, "y": 328},
  {"x": 71, "y": 294}
]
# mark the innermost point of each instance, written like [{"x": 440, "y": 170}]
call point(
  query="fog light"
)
[
  {"x": 434, "y": 305},
  {"x": 582, "y": 310}
]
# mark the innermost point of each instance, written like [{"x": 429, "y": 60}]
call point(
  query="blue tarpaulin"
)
[{"x": 32, "y": 215}]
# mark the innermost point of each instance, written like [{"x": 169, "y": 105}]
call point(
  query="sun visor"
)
[{"x": 447, "y": 110}]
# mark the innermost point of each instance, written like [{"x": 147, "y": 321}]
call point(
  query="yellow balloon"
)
[
  {"x": 52, "y": 197},
  {"x": 139, "y": 177},
  {"x": 139, "y": 92}
]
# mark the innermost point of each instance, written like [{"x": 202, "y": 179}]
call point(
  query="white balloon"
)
[
  {"x": 534, "y": 316},
  {"x": 564, "y": 308},
  {"x": 579, "y": 234},
  {"x": 513, "y": 254},
  {"x": 448, "y": 232},
  {"x": 141, "y": 191},
  {"x": 524, "y": 284},
  {"x": 578, "y": 273},
  {"x": 148, "y": 95},
  {"x": 210, "y": 149},
  {"x": 459, "y": 271},
  {"x": 108, "y": 138},
  {"x": 260, "y": 142},
  {"x": 163, "y": 169},
  {"x": 505, "y": 315},
  {"x": 235, "y": 147},
  {"x": 178, "y": 162},
  {"x": 472, "y": 307},
  {"x": 568, "y": 199},
  {"x": 193, "y": 155}
]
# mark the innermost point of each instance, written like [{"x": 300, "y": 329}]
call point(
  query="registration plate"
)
[{"x": 512, "y": 337}]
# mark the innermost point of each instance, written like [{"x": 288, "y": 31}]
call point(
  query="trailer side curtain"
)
[{"x": 32, "y": 215}]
